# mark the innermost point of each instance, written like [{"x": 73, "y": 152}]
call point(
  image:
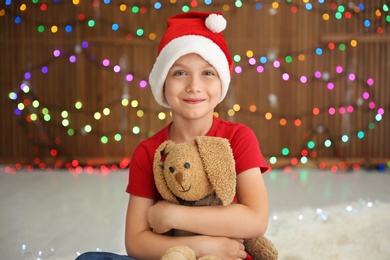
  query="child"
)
[{"x": 191, "y": 76}]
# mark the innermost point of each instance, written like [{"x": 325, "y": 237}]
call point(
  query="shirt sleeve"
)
[
  {"x": 246, "y": 150},
  {"x": 141, "y": 180}
]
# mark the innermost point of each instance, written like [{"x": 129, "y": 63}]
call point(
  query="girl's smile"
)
[{"x": 193, "y": 101}]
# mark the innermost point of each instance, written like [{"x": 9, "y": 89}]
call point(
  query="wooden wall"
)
[{"x": 268, "y": 29}]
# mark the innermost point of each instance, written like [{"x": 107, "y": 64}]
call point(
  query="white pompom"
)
[{"x": 215, "y": 23}]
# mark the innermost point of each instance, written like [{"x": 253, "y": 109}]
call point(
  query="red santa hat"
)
[{"x": 193, "y": 32}]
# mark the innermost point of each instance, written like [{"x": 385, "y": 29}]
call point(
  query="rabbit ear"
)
[
  {"x": 219, "y": 164},
  {"x": 158, "y": 172}
]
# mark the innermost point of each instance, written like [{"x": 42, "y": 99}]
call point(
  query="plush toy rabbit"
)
[{"x": 205, "y": 170}]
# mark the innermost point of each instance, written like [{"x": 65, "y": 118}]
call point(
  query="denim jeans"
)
[{"x": 102, "y": 256}]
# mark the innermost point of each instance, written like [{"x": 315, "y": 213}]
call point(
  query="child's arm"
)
[
  {"x": 142, "y": 243},
  {"x": 247, "y": 219}
]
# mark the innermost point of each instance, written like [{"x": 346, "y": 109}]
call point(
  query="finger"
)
[
  {"x": 244, "y": 255},
  {"x": 241, "y": 245},
  {"x": 239, "y": 240}
]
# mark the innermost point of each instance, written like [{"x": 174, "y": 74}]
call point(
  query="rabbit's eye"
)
[
  {"x": 171, "y": 169},
  {"x": 187, "y": 165}
]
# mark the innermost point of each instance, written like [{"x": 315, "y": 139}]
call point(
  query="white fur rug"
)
[{"x": 354, "y": 231}]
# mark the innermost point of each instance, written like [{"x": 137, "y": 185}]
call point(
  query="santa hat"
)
[{"x": 192, "y": 32}]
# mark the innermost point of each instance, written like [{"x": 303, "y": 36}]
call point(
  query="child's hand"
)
[
  {"x": 224, "y": 248},
  {"x": 159, "y": 216}
]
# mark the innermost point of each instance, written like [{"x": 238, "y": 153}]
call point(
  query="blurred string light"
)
[
  {"x": 25, "y": 99},
  {"x": 106, "y": 63},
  {"x": 329, "y": 10},
  {"x": 280, "y": 221}
]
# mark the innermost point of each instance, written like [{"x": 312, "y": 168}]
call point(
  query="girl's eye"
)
[
  {"x": 179, "y": 73},
  {"x": 187, "y": 165},
  {"x": 209, "y": 73},
  {"x": 171, "y": 169}
]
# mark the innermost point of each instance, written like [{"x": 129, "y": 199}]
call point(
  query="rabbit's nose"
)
[{"x": 179, "y": 177}]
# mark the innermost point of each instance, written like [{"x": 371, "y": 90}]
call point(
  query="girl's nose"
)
[{"x": 193, "y": 84}]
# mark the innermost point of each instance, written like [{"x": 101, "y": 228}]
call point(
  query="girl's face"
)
[{"x": 192, "y": 87}]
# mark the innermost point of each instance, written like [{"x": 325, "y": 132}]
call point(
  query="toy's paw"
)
[
  {"x": 179, "y": 253},
  {"x": 261, "y": 248}
]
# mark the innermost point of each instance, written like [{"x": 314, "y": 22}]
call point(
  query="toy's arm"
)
[
  {"x": 247, "y": 219},
  {"x": 142, "y": 243}
]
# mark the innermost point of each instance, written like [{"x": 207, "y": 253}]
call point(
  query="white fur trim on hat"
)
[{"x": 183, "y": 45}]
